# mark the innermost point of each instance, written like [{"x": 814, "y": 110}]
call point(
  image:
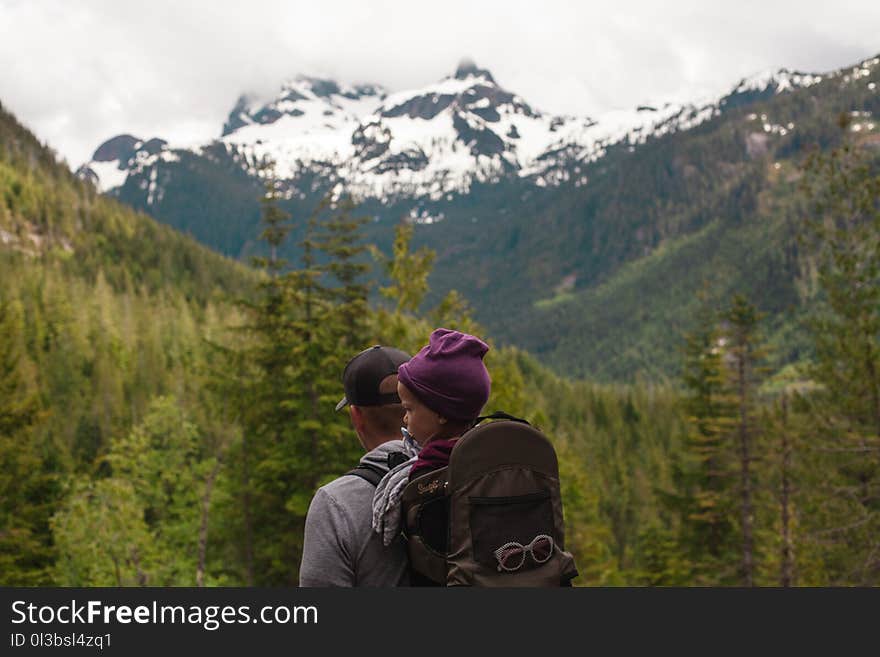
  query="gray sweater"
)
[{"x": 340, "y": 547}]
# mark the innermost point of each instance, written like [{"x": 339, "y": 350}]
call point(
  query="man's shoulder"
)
[
  {"x": 346, "y": 492},
  {"x": 350, "y": 489},
  {"x": 379, "y": 455},
  {"x": 345, "y": 484}
]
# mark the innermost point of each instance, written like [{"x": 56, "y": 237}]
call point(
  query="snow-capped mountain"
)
[
  {"x": 594, "y": 238},
  {"x": 119, "y": 156},
  {"x": 429, "y": 142}
]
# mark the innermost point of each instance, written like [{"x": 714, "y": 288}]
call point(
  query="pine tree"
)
[
  {"x": 342, "y": 246},
  {"x": 845, "y": 234},
  {"x": 704, "y": 493},
  {"x": 259, "y": 372},
  {"x": 745, "y": 355},
  {"x": 786, "y": 495},
  {"x": 18, "y": 404},
  {"x": 26, "y": 483},
  {"x": 311, "y": 342},
  {"x": 302, "y": 328},
  {"x": 274, "y": 219}
]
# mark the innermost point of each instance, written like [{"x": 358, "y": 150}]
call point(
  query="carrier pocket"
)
[
  {"x": 433, "y": 525},
  {"x": 496, "y": 521}
]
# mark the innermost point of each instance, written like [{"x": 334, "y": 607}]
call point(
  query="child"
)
[{"x": 443, "y": 388}]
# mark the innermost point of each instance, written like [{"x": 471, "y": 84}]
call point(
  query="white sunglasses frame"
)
[{"x": 525, "y": 548}]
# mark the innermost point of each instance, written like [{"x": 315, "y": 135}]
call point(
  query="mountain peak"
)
[
  {"x": 302, "y": 95},
  {"x": 321, "y": 87},
  {"x": 467, "y": 68},
  {"x": 120, "y": 147},
  {"x": 327, "y": 88}
]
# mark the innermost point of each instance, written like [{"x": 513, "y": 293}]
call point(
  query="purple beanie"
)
[{"x": 448, "y": 376}]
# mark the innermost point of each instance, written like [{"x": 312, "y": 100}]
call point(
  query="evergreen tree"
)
[
  {"x": 745, "y": 355},
  {"x": 27, "y": 488},
  {"x": 261, "y": 367},
  {"x": 787, "y": 574},
  {"x": 270, "y": 450},
  {"x": 704, "y": 495},
  {"x": 343, "y": 248},
  {"x": 845, "y": 232},
  {"x": 273, "y": 218},
  {"x": 18, "y": 404},
  {"x": 783, "y": 478},
  {"x": 302, "y": 328}
]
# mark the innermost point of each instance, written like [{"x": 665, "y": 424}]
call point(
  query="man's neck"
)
[{"x": 372, "y": 443}]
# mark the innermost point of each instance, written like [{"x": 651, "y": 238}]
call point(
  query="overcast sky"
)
[{"x": 77, "y": 72}]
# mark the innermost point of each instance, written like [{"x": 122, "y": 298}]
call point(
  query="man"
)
[{"x": 340, "y": 548}]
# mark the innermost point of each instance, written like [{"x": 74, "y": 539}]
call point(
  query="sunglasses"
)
[{"x": 511, "y": 556}]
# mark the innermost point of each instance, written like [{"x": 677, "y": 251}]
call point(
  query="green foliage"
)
[
  {"x": 408, "y": 271},
  {"x": 713, "y": 497},
  {"x": 102, "y": 537},
  {"x": 704, "y": 480},
  {"x": 341, "y": 243},
  {"x": 26, "y": 481},
  {"x": 275, "y": 226},
  {"x": 140, "y": 524},
  {"x": 845, "y": 231},
  {"x": 153, "y": 433},
  {"x": 745, "y": 353},
  {"x": 300, "y": 330},
  {"x": 101, "y": 310}
]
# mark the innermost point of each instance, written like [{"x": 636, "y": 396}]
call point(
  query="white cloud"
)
[{"x": 80, "y": 71}]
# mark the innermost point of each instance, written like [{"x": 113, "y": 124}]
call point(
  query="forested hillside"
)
[
  {"x": 166, "y": 414},
  {"x": 102, "y": 311}
]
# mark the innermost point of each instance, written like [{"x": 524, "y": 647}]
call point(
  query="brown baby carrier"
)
[{"x": 493, "y": 516}]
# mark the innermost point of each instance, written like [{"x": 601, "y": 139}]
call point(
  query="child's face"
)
[{"x": 420, "y": 421}]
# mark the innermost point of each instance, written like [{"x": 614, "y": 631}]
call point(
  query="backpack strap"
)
[
  {"x": 373, "y": 473},
  {"x": 367, "y": 472},
  {"x": 396, "y": 458},
  {"x": 500, "y": 415}
]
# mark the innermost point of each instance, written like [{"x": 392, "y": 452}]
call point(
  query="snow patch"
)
[
  {"x": 424, "y": 217},
  {"x": 109, "y": 175}
]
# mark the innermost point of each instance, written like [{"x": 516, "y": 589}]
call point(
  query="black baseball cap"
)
[{"x": 364, "y": 373}]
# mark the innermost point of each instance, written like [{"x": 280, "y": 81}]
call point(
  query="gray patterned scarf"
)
[{"x": 386, "y": 499}]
